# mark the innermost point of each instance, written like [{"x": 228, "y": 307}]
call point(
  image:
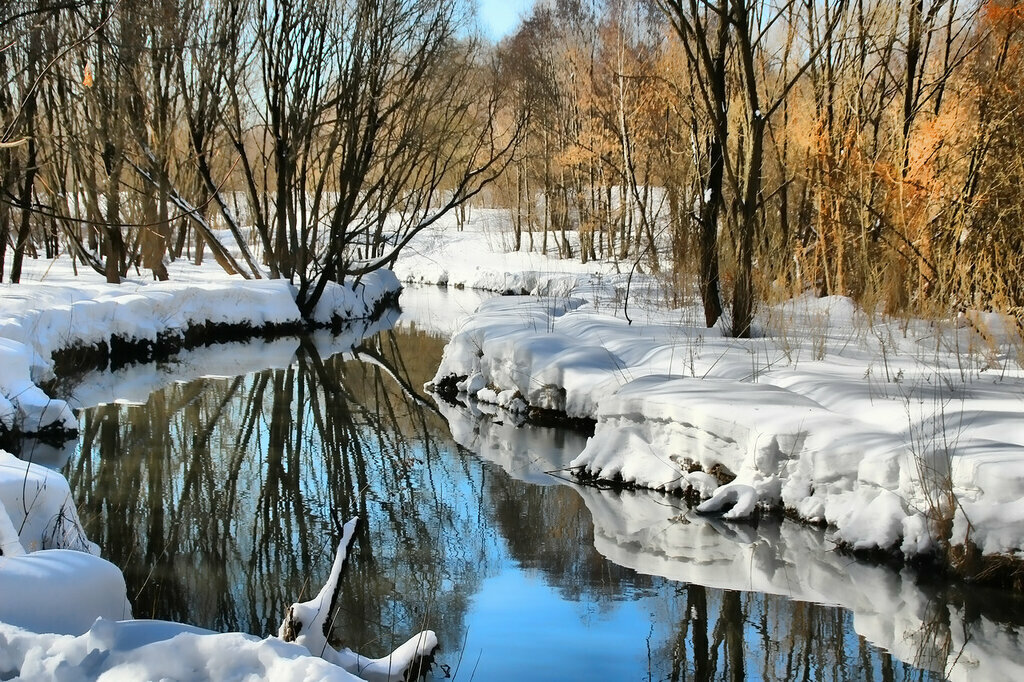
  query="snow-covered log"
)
[{"x": 307, "y": 623}]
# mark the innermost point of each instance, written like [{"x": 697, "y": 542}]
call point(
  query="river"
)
[{"x": 217, "y": 482}]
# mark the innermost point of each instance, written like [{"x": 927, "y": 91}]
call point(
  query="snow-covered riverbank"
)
[
  {"x": 60, "y": 312},
  {"x": 902, "y": 435},
  {"x": 63, "y": 607}
]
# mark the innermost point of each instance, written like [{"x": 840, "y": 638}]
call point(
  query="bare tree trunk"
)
[{"x": 30, "y": 168}]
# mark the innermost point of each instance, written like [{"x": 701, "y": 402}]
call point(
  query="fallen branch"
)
[{"x": 307, "y": 623}]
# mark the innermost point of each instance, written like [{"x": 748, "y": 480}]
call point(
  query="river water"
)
[{"x": 217, "y": 486}]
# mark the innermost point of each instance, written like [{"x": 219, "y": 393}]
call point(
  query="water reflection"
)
[
  {"x": 218, "y": 498},
  {"x": 760, "y": 602}
]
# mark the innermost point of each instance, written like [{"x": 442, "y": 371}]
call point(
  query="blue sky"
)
[{"x": 499, "y": 17}]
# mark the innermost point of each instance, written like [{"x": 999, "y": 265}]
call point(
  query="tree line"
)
[
  {"x": 308, "y": 139},
  {"x": 742, "y": 149},
  {"x": 768, "y": 148}
]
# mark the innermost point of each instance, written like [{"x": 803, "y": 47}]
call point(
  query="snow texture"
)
[{"x": 889, "y": 431}]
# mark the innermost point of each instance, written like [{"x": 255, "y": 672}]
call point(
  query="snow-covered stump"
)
[{"x": 308, "y": 624}]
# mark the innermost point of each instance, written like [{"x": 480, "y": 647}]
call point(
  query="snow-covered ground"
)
[{"x": 901, "y": 435}]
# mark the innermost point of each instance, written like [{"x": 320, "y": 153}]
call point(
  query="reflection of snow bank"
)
[
  {"x": 133, "y": 384},
  {"x": 889, "y": 609},
  {"x": 858, "y": 425},
  {"x": 656, "y": 535}
]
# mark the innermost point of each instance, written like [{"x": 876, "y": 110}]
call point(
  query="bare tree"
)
[
  {"x": 359, "y": 124},
  {"x": 715, "y": 34}
]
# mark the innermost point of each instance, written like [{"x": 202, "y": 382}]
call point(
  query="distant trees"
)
[
  {"x": 334, "y": 129},
  {"x": 773, "y": 148},
  {"x": 742, "y": 150}
]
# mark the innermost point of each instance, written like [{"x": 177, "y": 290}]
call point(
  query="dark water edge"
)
[{"x": 216, "y": 496}]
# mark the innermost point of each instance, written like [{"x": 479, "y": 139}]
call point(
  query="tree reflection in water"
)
[
  {"x": 218, "y": 498},
  {"x": 730, "y": 635}
]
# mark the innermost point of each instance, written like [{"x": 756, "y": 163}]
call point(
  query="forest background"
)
[{"x": 741, "y": 151}]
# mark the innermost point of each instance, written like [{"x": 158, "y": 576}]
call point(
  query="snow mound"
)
[
  {"x": 839, "y": 421},
  {"x": 23, "y": 405},
  {"x": 60, "y": 591}
]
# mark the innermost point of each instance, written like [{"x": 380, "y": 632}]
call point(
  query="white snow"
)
[
  {"x": 306, "y": 620},
  {"x": 888, "y": 430},
  {"x": 37, "y": 503},
  {"x": 147, "y": 650},
  {"x": 480, "y": 257},
  {"x": 61, "y": 591}
]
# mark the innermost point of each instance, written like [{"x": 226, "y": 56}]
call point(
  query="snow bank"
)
[
  {"x": 51, "y": 578},
  {"x": 61, "y": 591},
  {"x": 23, "y": 405},
  {"x": 480, "y": 256},
  {"x": 892, "y": 433},
  {"x": 656, "y": 534},
  {"x": 38, "y": 319}
]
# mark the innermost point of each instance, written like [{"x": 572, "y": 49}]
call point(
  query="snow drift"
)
[{"x": 899, "y": 436}]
